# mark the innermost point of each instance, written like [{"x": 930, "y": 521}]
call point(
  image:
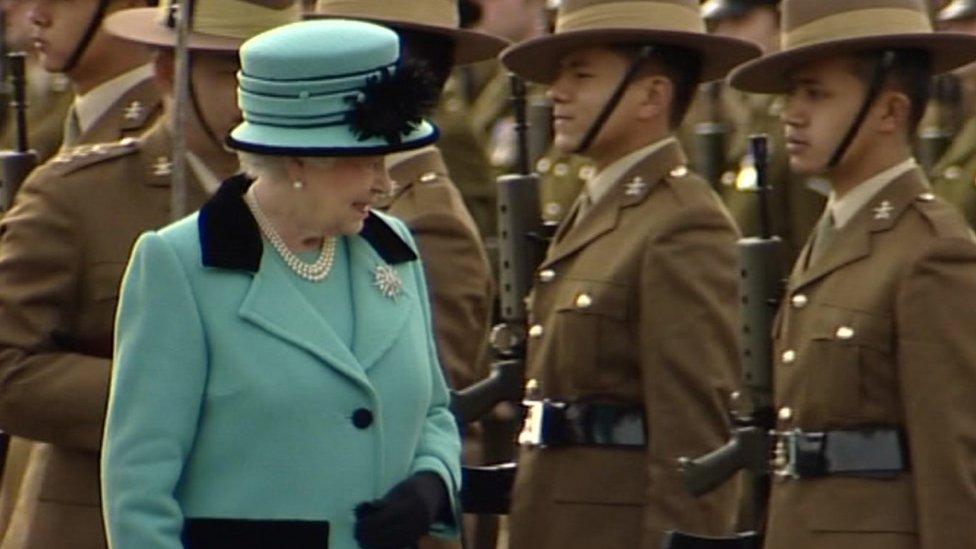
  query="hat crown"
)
[
  {"x": 654, "y": 15},
  {"x": 436, "y": 13},
  {"x": 810, "y": 22},
  {"x": 240, "y": 19}
]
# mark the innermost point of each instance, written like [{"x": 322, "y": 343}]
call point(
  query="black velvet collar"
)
[{"x": 230, "y": 238}]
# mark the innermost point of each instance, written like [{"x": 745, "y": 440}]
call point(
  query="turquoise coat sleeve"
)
[{"x": 157, "y": 386}]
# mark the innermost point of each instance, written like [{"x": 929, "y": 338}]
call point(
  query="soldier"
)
[
  {"x": 425, "y": 197},
  {"x": 954, "y": 174},
  {"x": 795, "y": 206},
  {"x": 112, "y": 82},
  {"x": 876, "y": 363},
  {"x": 633, "y": 347},
  {"x": 64, "y": 246}
]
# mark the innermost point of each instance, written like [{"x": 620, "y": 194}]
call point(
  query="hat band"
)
[
  {"x": 857, "y": 24},
  {"x": 438, "y": 14},
  {"x": 651, "y": 16},
  {"x": 233, "y": 18}
]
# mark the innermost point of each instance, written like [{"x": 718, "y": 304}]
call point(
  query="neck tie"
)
[
  {"x": 824, "y": 235},
  {"x": 72, "y": 129},
  {"x": 585, "y": 205}
]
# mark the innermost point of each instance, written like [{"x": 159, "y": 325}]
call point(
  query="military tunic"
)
[
  {"x": 954, "y": 176},
  {"x": 636, "y": 304},
  {"x": 458, "y": 275},
  {"x": 879, "y": 333},
  {"x": 65, "y": 245}
]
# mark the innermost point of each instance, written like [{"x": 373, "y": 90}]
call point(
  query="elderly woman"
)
[{"x": 276, "y": 382}]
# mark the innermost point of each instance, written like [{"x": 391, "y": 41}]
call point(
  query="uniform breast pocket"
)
[
  {"x": 594, "y": 335},
  {"x": 852, "y": 365}
]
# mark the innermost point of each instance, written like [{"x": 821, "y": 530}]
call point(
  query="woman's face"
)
[{"x": 339, "y": 192}]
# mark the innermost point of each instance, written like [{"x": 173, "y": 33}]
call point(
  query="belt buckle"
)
[
  {"x": 535, "y": 427},
  {"x": 784, "y": 455}
]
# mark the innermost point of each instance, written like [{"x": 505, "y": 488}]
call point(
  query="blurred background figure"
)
[{"x": 947, "y": 133}]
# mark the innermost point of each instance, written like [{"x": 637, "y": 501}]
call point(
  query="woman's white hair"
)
[{"x": 271, "y": 168}]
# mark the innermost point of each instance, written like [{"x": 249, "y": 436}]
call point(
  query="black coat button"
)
[{"x": 362, "y": 418}]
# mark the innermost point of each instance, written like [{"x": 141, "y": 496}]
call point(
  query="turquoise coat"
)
[{"x": 232, "y": 398}]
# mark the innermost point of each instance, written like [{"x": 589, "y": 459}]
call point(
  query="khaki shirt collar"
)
[
  {"x": 92, "y": 105},
  {"x": 843, "y": 209},
  {"x": 598, "y": 186}
]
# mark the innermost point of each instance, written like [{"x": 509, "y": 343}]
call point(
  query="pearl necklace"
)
[{"x": 313, "y": 272}]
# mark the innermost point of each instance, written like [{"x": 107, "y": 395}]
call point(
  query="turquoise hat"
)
[{"x": 331, "y": 87}]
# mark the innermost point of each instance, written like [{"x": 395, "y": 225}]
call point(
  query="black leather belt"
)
[
  {"x": 867, "y": 453},
  {"x": 553, "y": 423}
]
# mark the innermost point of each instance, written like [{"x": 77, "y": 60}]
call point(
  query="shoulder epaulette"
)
[
  {"x": 943, "y": 218},
  {"x": 82, "y": 156}
]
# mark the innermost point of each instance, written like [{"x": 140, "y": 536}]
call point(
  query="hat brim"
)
[
  {"x": 282, "y": 141},
  {"x": 469, "y": 46},
  {"x": 538, "y": 59},
  {"x": 142, "y": 25},
  {"x": 770, "y": 74}
]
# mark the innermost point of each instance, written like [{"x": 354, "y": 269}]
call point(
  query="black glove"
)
[{"x": 403, "y": 515}]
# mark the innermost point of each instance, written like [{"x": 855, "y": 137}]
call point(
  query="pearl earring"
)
[{"x": 297, "y": 185}]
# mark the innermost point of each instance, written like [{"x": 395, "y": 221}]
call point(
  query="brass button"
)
[
  {"x": 953, "y": 172},
  {"x": 845, "y": 332},
  {"x": 789, "y": 356},
  {"x": 926, "y": 197},
  {"x": 543, "y": 165},
  {"x": 428, "y": 177},
  {"x": 785, "y": 413},
  {"x": 547, "y": 275},
  {"x": 680, "y": 171},
  {"x": 583, "y": 301},
  {"x": 799, "y": 301},
  {"x": 561, "y": 170},
  {"x": 535, "y": 330}
]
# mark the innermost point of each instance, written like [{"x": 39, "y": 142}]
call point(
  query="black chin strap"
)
[
  {"x": 642, "y": 55},
  {"x": 93, "y": 25},
  {"x": 197, "y": 111},
  {"x": 885, "y": 62}
]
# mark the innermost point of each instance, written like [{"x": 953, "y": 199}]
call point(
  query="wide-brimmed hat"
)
[
  {"x": 714, "y": 10},
  {"x": 216, "y": 25},
  {"x": 331, "y": 87},
  {"x": 436, "y": 17},
  {"x": 957, "y": 10},
  {"x": 589, "y": 23},
  {"x": 818, "y": 29}
]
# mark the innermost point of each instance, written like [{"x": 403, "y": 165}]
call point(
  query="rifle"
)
[
  {"x": 936, "y": 135},
  {"x": 17, "y": 164},
  {"x": 521, "y": 245},
  {"x": 750, "y": 444},
  {"x": 710, "y": 137}
]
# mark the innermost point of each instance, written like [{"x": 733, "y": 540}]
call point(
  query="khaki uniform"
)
[
  {"x": 465, "y": 154},
  {"x": 637, "y": 304},
  {"x": 954, "y": 176},
  {"x": 879, "y": 332},
  {"x": 457, "y": 270},
  {"x": 65, "y": 245},
  {"x": 794, "y": 205}
]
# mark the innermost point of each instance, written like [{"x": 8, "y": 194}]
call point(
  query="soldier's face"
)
[
  {"x": 586, "y": 80},
  {"x": 821, "y": 105},
  {"x": 57, "y": 28},
  {"x": 215, "y": 88}
]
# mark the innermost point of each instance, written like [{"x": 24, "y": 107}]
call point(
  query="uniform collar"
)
[
  {"x": 598, "y": 186},
  {"x": 230, "y": 238},
  {"x": 844, "y": 208},
  {"x": 92, "y": 105}
]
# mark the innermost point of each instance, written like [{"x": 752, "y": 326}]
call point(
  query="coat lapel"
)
[
  {"x": 605, "y": 214},
  {"x": 379, "y": 319},
  {"x": 855, "y": 239},
  {"x": 274, "y": 304}
]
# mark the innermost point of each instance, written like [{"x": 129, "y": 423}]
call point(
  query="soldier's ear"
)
[
  {"x": 896, "y": 109},
  {"x": 656, "y": 92}
]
